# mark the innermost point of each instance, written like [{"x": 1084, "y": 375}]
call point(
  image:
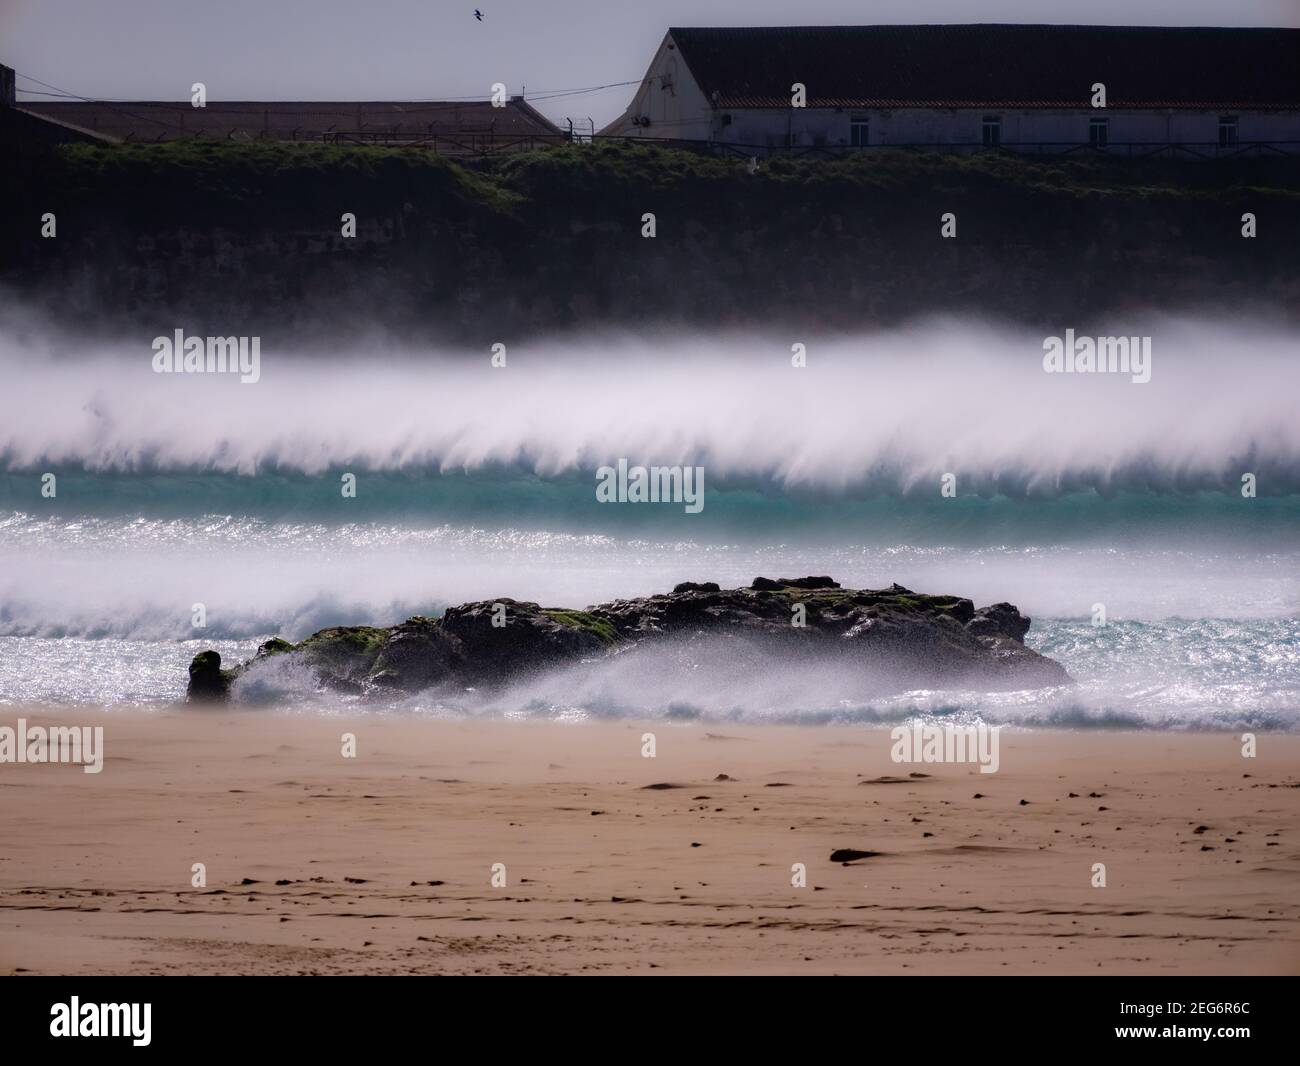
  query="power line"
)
[
  {"x": 539, "y": 94},
  {"x": 438, "y": 105},
  {"x": 115, "y": 110}
]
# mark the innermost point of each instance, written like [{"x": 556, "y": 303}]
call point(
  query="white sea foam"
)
[{"x": 890, "y": 410}]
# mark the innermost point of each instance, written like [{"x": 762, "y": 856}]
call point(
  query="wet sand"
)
[{"x": 320, "y": 864}]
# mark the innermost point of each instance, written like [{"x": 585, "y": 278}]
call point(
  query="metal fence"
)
[
  {"x": 469, "y": 143},
  {"x": 1060, "y": 149},
  {"x": 461, "y": 143}
]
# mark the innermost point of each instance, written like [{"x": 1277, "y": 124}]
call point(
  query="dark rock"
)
[
  {"x": 696, "y": 586},
  {"x": 999, "y": 620},
  {"x": 767, "y": 584},
  {"x": 208, "y": 682},
  {"x": 811, "y": 583},
  {"x": 851, "y": 855},
  {"x": 530, "y": 639},
  {"x": 418, "y": 654},
  {"x": 905, "y": 639},
  {"x": 342, "y": 656}
]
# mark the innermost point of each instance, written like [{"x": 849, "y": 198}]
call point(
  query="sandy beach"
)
[{"x": 382, "y": 863}]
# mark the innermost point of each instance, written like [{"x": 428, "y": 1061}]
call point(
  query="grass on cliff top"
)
[
  {"x": 512, "y": 182},
  {"x": 613, "y": 164},
  {"x": 285, "y": 174}
]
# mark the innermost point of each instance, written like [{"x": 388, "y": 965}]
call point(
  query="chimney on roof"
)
[{"x": 8, "y": 90}]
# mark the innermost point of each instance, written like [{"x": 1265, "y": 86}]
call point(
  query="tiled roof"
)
[
  {"x": 282, "y": 120},
  {"x": 996, "y": 65}
]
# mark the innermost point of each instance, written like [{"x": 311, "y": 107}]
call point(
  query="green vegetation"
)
[
  {"x": 608, "y": 166},
  {"x": 583, "y": 620},
  {"x": 297, "y": 177},
  {"x": 344, "y": 649},
  {"x": 262, "y": 176},
  {"x": 826, "y": 597}
]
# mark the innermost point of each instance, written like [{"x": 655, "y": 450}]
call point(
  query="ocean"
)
[{"x": 1082, "y": 499}]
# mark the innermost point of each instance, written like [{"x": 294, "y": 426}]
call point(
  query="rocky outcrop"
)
[
  {"x": 208, "y": 682},
  {"x": 912, "y": 639}
]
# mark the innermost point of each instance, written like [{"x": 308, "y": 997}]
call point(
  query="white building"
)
[{"x": 1209, "y": 91}]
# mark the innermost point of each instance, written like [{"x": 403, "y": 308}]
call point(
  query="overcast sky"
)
[{"x": 435, "y": 49}]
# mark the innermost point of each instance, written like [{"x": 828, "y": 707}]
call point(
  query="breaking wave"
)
[
  {"x": 882, "y": 413},
  {"x": 1171, "y": 675}
]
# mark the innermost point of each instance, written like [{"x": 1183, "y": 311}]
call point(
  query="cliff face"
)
[{"x": 246, "y": 239}]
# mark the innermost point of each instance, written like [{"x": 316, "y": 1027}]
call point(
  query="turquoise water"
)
[
  {"x": 1201, "y": 632},
  {"x": 474, "y": 483}
]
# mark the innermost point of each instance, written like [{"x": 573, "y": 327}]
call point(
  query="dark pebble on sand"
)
[{"x": 851, "y": 854}]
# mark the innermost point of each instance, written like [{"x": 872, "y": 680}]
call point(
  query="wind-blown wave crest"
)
[{"x": 886, "y": 412}]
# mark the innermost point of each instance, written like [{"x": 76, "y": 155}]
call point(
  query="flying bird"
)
[{"x": 478, "y": 14}]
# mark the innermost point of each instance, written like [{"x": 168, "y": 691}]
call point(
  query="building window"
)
[
  {"x": 992, "y": 131},
  {"x": 1227, "y": 131},
  {"x": 859, "y": 131},
  {"x": 1098, "y": 132}
]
